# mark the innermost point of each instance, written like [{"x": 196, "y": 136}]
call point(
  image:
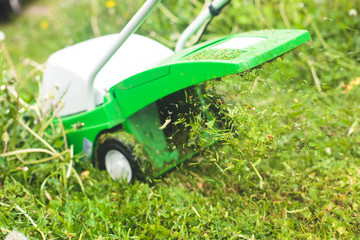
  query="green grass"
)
[{"x": 289, "y": 168}]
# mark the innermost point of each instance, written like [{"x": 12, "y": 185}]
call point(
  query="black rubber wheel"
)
[{"x": 117, "y": 158}]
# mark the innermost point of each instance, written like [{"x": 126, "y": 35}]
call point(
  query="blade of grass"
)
[
  {"x": 31, "y": 150},
  {"x": 39, "y": 138}
]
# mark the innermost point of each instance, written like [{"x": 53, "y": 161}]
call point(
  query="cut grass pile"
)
[{"x": 289, "y": 168}]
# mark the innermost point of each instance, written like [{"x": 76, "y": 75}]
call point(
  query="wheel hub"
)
[{"x": 117, "y": 165}]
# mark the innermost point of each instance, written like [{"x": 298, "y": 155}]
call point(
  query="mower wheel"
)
[{"x": 117, "y": 159}]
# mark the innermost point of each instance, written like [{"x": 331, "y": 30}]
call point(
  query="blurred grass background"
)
[{"x": 290, "y": 171}]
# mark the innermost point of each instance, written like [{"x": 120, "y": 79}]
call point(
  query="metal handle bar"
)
[
  {"x": 134, "y": 24},
  {"x": 129, "y": 29},
  {"x": 213, "y": 10}
]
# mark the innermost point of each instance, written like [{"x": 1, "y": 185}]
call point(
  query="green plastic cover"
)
[{"x": 213, "y": 59}]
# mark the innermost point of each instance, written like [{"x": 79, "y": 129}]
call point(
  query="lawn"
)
[{"x": 288, "y": 169}]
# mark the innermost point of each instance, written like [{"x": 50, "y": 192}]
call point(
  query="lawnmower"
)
[{"x": 121, "y": 90}]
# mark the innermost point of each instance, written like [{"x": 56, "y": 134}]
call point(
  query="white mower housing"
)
[{"x": 68, "y": 71}]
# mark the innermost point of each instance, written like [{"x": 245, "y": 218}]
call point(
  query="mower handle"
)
[
  {"x": 129, "y": 29},
  {"x": 213, "y": 10},
  {"x": 135, "y": 22}
]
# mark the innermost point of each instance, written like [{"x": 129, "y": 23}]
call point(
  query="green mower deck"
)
[{"x": 129, "y": 105}]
